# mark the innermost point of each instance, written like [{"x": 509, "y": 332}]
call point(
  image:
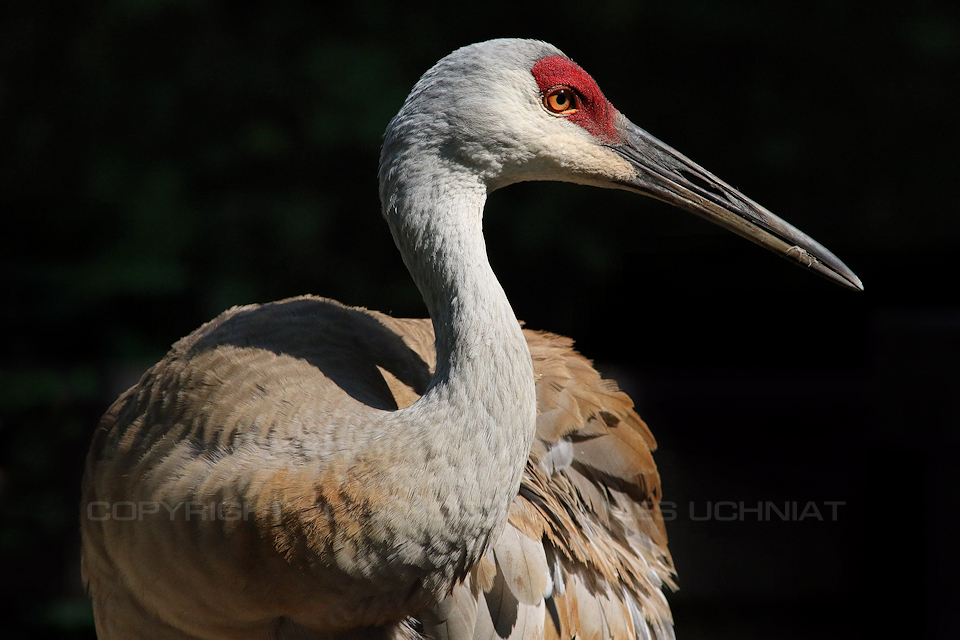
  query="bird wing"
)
[{"x": 584, "y": 553}]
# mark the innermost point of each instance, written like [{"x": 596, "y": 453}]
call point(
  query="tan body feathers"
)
[{"x": 583, "y": 554}]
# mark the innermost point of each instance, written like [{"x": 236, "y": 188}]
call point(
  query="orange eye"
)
[{"x": 561, "y": 100}]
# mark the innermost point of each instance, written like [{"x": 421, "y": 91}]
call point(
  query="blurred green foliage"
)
[{"x": 162, "y": 160}]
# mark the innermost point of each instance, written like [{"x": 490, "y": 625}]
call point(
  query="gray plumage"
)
[{"x": 302, "y": 469}]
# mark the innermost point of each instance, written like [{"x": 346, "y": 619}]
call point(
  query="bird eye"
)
[{"x": 561, "y": 101}]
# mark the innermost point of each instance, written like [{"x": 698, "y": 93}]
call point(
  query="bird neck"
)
[
  {"x": 436, "y": 217},
  {"x": 477, "y": 418}
]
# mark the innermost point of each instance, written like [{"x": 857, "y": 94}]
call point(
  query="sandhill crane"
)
[{"x": 303, "y": 469}]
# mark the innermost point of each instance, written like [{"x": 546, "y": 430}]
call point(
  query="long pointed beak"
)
[{"x": 665, "y": 174}]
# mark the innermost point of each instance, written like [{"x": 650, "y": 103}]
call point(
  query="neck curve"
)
[{"x": 467, "y": 439}]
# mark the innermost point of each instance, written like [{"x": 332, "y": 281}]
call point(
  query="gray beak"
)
[{"x": 671, "y": 177}]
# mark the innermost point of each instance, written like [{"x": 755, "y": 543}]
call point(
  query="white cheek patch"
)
[
  {"x": 584, "y": 156},
  {"x": 544, "y": 146},
  {"x": 519, "y": 140}
]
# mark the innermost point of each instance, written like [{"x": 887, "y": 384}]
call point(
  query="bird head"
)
[{"x": 510, "y": 110}]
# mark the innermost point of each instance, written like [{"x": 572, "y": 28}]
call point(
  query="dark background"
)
[{"x": 163, "y": 160}]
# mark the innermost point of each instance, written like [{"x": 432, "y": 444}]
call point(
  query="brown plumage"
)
[
  {"x": 585, "y": 528},
  {"x": 303, "y": 469}
]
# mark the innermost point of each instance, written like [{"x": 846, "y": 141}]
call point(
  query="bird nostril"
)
[{"x": 703, "y": 184}]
